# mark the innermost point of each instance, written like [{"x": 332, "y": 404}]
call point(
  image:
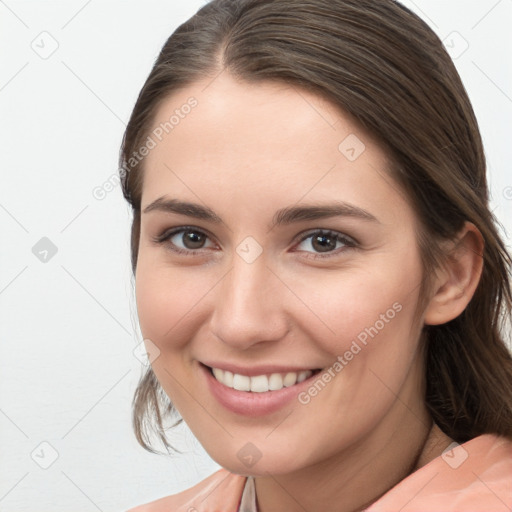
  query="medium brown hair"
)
[{"x": 387, "y": 69}]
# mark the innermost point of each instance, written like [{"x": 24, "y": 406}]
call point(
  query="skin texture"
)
[{"x": 246, "y": 151}]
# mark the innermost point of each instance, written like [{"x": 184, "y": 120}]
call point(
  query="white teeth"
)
[
  {"x": 228, "y": 378},
  {"x": 218, "y": 373},
  {"x": 275, "y": 382},
  {"x": 260, "y": 383},
  {"x": 303, "y": 376},
  {"x": 290, "y": 379},
  {"x": 241, "y": 382}
]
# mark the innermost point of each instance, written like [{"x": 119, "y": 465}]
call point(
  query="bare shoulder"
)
[{"x": 221, "y": 488}]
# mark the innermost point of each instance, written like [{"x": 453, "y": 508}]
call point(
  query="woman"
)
[{"x": 320, "y": 283}]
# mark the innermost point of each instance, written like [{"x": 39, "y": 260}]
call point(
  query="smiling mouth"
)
[{"x": 260, "y": 383}]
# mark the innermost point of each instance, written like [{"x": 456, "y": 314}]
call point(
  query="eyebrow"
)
[{"x": 285, "y": 216}]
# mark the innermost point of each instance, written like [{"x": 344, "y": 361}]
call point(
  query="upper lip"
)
[{"x": 254, "y": 370}]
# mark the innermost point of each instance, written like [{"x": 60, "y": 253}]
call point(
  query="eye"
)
[
  {"x": 190, "y": 241},
  {"x": 325, "y": 243},
  {"x": 184, "y": 240}
]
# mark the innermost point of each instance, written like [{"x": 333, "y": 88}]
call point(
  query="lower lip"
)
[{"x": 251, "y": 403}]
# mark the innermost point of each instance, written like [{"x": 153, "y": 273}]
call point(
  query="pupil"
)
[
  {"x": 324, "y": 239},
  {"x": 193, "y": 240}
]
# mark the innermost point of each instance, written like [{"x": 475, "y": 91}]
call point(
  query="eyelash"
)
[{"x": 349, "y": 242}]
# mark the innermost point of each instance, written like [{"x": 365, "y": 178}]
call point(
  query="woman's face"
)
[{"x": 273, "y": 241}]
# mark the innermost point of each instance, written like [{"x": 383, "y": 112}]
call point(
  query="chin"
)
[{"x": 278, "y": 464}]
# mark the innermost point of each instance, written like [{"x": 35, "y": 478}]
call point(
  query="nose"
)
[{"x": 250, "y": 305}]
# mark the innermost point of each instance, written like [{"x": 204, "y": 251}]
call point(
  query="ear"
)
[{"x": 456, "y": 281}]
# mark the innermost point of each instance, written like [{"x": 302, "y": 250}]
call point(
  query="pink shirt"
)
[{"x": 473, "y": 477}]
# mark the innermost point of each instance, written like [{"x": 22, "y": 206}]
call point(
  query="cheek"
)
[
  {"x": 174, "y": 306},
  {"x": 371, "y": 307},
  {"x": 168, "y": 306},
  {"x": 166, "y": 300},
  {"x": 371, "y": 340}
]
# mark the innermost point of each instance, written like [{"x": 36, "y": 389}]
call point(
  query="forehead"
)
[{"x": 266, "y": 140}]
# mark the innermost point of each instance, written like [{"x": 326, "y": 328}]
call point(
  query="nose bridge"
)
[{"x": 249, "y": 307}]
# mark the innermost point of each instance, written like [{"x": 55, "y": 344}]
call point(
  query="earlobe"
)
[{"x": 458, "y": 279}]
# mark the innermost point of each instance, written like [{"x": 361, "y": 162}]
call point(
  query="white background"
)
[{"x": 68, "y": 325}]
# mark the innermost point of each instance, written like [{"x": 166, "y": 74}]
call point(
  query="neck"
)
[{"x": 437, "y": 441}]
